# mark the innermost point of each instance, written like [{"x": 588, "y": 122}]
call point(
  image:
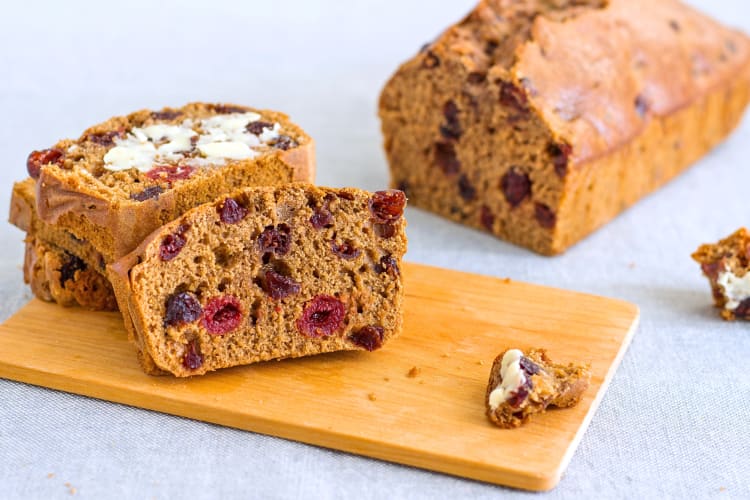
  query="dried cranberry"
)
[
  {"x": 192, "y": 359},
  {"x": 37, "y": 159},
  {"x": 257, "y": 127},
  {"x": 105, "y": 138},
  {"x": 147, "y": 194},
  {"x": 446, "y": 158},
  {"x": 451, "y": 128},
  {"x": 560, "y": 154},
  {"x": 275, "y": 239},
  {"x": 466, "y": 189},
  {"x": 172, "y": 244},
  {"x": 385, "y": 231},
  {"x": 231, "y": 212},
  {"x": 712, "y": 269},
  {"x": 284, "y": 142},
  {"x": 641, "y": 105},
  {"x": 321, "y": 217},
  {"x": 514, "y": 98},
  {"x": 322, "y": 316},
  {"x": 430, "y": 60},
  {"x": 170, "y": 173},
  {"x": 278, "y": 286},
  {"x": 516, "y": 186},
  {"x": 226, "y": 109},
  {"x": 345, "y": 250},
  {"x": 166, "y": 114},
  {"x": 387, "y": 206},
  {"x": 529, "y": 367},
  {"x": 518, "y": 397},
  {"x": 222, "y": 315},
  {"x": 182, "y": 307},
  {"x": 388, "y": 265},
  {"x": 487, "y": 218},
  {"x": 69, "y": 267},
  {"x": 743, "y": 310},
  {"x": 369, "y": 337},
  {"x": 544, "y": 216},
  {"x": 475, "y": 78}
]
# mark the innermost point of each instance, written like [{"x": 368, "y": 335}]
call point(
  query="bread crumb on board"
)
[
  {"x": 372, "y": 397},
  {"x": 413, "y": 372}
]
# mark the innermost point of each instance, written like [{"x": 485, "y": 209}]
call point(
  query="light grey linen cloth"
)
[{"x": 674, "y": 422}]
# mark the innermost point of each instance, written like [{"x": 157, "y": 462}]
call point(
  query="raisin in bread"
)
[
  {"x": 522, "y": 385},
  {"x": 266, "y": 273},
  {"x": 126, "y": 177},
  {"x": 56, "y": 275},
  {"x": 726, "y": 264},
  {"x": 541, "y": 120}
]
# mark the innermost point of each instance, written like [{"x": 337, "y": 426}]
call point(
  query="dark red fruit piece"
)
[
  {"x": 516, "y": 186},
  {"x": 560, "y": 154},
  {"x": 487, "y": 218},
  {"x": 37, "y": 159},
  {"x": 465, "y": 188},
  {"x": 518, "y": 397},
  {"x": 514, "y": 97},
  {"x": 475, "y": 78},
  {"x": 69, "y": 268},
  {"x": 284, "y": 142},
  {"x": 105, "y": 138},
  {"x": 147, "y": 194},
  {"x": 388, "y": 265},
  {"x": 278, "y": 286},
  {"x": 385, "y": 231},
  {"x": 387, "y": 206},
  {"x": 224, "y": 109},
  {"x": 451, "y": 128},
  {"x": 345, "y": 250},
  {"x": 172, "y": 244},
  {"x": 181, "y": 308},
  {"x": 321, "y": 217},
  {"x": 446, "y": 158},
  {"x": 712, "y": 269},
  {"x": 529, "y": 367},
  {"x": 544, "y": 216},
  {"x": 322, "y": 316},
  {"x": 275, "y": 239},
  {"x": 192, "y": 359},
  {"x": 430, "y": 60},
  {"x": 368, "y": 338},
  {"x": 257, "y": 127},
  {"x": 743, "y": 310},
  {"x": 170, "y": 173},
  {"x": 165, "y": 115},
  {"x": 222, "y": 315},
  {"x": 231, "y": 212}
]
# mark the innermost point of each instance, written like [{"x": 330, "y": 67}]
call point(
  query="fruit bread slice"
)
[
  {"x": 266, "y": 273},
  {"x": 726, "y": 264},
  {"x": 58, "y": 266},
  {"x": 124, "y": 178},
  {"x": 56, "y": 275},
  {"x": 522, "y": 385},
  {"x": 539, "y": 121}
]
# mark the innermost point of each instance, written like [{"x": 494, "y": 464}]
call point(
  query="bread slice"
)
[
  {"x": 539, "y": 121},
  {"x": 726, "y": 264},
  {"x": 522, "y": 385},
  {"x": 266, "y": 273},
  {"x": 125, "y": 177}
]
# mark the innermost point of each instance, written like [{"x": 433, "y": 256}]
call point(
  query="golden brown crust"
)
[
  {"x": 81, "y": 196},
  {"x": 352, "y": 259},
  {"x": 526, "y": 121},
  {"x": 731, "y": 254},
  {"x": 552, "y": 384}
]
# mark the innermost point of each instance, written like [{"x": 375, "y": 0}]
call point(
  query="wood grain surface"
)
[{"x": 365, "y": 403}]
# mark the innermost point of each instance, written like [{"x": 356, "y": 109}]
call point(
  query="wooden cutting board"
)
[{"x": 455, "y": 324}]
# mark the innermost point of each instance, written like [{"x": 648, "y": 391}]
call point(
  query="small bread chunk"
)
[
  {"x": 726, "y": 264},
  {"x": 266, "y": 273},
  {"x": 56, "y": 275},
  {"x": 521, "y": 385}
]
